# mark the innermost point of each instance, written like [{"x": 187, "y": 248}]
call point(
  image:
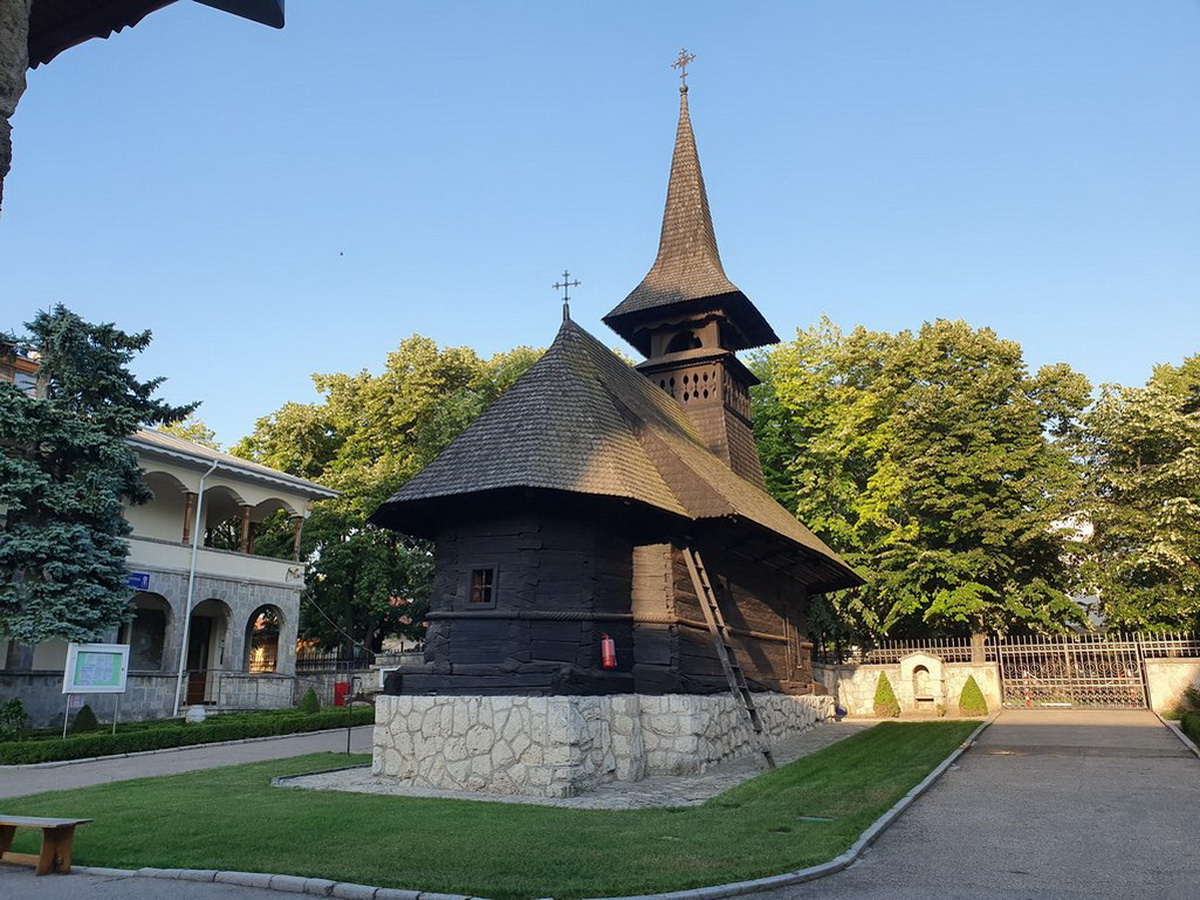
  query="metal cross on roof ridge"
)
[
  {"x": 566, "y": 286},
  {"x": 682, "y": 63}
]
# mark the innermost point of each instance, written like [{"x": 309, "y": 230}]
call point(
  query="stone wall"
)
[
  {"x": 562, "y": 746},
  {"x": 853, "y": 686},
  {"x": 1166, "y": 679},
  {"x": 145, "y": 697}
]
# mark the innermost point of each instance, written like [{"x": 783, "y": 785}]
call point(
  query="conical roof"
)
[
  {"x": 583, "y": 421},
  {"x": 687, "y": 275}
]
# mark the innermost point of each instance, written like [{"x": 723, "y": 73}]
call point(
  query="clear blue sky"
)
[{"x": 277, "y": 203}]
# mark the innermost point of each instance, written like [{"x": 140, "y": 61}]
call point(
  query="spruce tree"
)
[{"x": 65, "y": 469}]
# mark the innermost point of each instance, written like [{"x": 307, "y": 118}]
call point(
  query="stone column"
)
[
  {"x": 14, "y": 60},
  {"x": 189, "y": 513}
]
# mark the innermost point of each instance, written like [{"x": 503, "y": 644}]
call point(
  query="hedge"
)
[{"x": 178, "y": 735}]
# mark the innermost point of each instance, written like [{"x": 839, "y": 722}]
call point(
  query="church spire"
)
[{"x": 687, "y": 273}]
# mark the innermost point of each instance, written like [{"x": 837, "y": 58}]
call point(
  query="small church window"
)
[{"x": 483, "y": 585}]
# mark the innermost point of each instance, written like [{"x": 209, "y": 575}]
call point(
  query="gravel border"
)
[{"x": 323, "y": 887}]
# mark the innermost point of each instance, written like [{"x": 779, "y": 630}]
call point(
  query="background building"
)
[{"x": 245, "y": 608}]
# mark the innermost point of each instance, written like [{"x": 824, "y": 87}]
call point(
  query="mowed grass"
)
[{"x": 232, "y": 819}]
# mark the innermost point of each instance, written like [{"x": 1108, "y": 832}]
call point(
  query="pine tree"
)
[{"x": 64, "y": 469}]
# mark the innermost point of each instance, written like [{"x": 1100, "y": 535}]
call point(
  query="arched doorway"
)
[
  {"x": 206, "y": 648},
  {"x": 146, "y": 633},
  {"x": 262, "y": 639}
]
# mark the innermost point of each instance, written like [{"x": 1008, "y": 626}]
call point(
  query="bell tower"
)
[{"x": 689, "y": 319}]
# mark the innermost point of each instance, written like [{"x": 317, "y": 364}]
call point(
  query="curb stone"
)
[
  {"x": 350, "y": 891},
  {"x": 755, "y": 885},
  {"x": 1178, "y": 732}
]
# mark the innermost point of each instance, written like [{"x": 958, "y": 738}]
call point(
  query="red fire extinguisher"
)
[{"x": 608, "y": 651}]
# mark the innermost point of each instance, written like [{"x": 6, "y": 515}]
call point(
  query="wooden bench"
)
[{"x": 56, "y": 842}]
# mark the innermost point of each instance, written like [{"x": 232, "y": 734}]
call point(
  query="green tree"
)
[
  {"x": 64, "y": 469},
  {"x": 194, "y": 430},
  {"x": 1142, "y": 447},
  {"x": 369, "y": 435},
  {"x": 936, "y": 463}
]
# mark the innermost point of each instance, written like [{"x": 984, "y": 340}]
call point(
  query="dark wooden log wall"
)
[{"x": 560, "y": 584}]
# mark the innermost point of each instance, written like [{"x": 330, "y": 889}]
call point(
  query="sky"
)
[{"x": 277, "y": 203}]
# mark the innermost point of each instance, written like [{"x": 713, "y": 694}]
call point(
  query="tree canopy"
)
[
  {"x": 937, "y": 464},
  {"x": 1142, "y": 449},
  {"x": 64, "y": 469},
  {"x": 369, "y": 435}
]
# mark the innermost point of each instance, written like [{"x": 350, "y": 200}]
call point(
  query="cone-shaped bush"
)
[
  {"x": 886, "y": 704},
  {"x": 970, "y": 701},
  {"x": 309, "y": 702},
  {"x": 85, "y": 720}
]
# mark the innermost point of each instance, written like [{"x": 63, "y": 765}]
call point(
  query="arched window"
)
[
  {"x": 146, "y": 633},
  {"x": 685, "y": 340},
  {"x": 262, "y": 639}
]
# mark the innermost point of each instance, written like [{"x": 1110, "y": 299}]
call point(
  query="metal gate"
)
[{"x": 1076, "y": 671}]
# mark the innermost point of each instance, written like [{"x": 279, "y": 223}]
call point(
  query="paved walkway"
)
[
  {"x": 1053, "y": 805},
  {"x": 1048, "y": 805},
  {"x": 18, "y": 781}
]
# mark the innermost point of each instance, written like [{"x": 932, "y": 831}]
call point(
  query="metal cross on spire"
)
[
  {"x": 566, "y": 286},
  {"x": 681, "y": 64}
]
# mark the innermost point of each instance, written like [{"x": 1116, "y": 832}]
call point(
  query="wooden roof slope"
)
[
  {"x": 583, "y": 421},
  {"x": 687, "y": 274}
]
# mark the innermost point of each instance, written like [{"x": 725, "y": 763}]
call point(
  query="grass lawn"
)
[{"x": 232, "y": 819}]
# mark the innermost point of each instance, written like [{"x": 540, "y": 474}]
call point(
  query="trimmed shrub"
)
[
  {"x": 85, "y": 721},
  {"x": 886, "y": 704},
  {"x": 176, "y": 734},
  {"x": 309, "y": 703},
  {"x": 971, "y": 701},
  {"x": 13, "y": 719}
]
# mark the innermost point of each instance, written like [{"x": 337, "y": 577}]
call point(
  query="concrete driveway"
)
[{"x": 1049, "y": 804}]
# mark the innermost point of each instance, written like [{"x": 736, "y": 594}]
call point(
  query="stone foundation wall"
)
[
  {"x": 563, "y": 746},
  {"x": 145, "y": 697}
]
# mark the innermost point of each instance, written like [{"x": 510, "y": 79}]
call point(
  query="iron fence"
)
[{"x": 1069, "y": 670}]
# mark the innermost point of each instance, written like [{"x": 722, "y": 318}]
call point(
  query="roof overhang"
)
[
  {"x": 57, "y": 25},
  {"x": 231, "y": 466},
  {"x": 750, "y": 328}
]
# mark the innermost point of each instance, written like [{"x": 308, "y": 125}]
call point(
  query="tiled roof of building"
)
[
  {"x": 688, "y": 270},
  {"x": 583, "y": 421},
  {"x": 159, "y": 444}
]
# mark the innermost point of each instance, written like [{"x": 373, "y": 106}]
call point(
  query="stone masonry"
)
[
  {"x": 566, "y": 745},
  {"x": 14, "y": 59}
]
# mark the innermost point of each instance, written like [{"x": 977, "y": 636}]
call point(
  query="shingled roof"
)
[
  {"x": 687, "y": 275},
  {"x": 583, "y": 421}
]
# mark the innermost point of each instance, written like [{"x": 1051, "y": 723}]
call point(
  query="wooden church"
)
[{"x": 576, "y": 510}]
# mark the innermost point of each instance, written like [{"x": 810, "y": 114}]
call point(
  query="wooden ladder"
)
[{"x": 720, "y": 632}]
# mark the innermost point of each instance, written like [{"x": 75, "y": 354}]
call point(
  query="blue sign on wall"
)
[{"x": 139, "y": 581}]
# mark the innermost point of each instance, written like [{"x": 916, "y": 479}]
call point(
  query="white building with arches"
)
[{"x": 214, "y": 622}]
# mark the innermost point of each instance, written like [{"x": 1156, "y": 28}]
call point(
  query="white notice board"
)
[{"x": 96, "y": 669}]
